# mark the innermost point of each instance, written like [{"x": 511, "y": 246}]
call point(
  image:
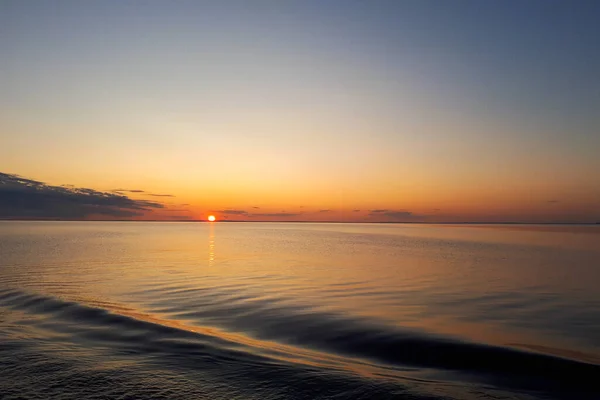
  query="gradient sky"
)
[{"x": 309, "y": 110}]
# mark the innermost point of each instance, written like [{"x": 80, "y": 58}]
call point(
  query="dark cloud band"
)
[{"x": 27, "y": 198}]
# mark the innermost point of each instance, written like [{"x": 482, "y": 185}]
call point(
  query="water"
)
[{"x": 298, "y": 311}]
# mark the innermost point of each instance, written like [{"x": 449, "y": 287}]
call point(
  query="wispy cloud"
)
[
  {"x": 121, "y": 190},
  {"x": 26, "y": 198},
  {"x": 356, "y": 210},
  {"x": 180, "y": 217},
  {"x": 324, "y": 211},
  {"x": 281, "y": 214},
  {"x": 160, "y": 195},
  {"x": 137, "y": 191},
  {"x": 246, "y": 213},
  {"x": 395, "y": 214},
  {"x": 233, "y": 212}
]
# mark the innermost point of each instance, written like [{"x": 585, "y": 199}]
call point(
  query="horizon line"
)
[{"x": 314, "y": 222}]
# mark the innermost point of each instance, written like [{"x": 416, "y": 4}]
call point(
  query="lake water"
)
[{"x": 298, "y": 311}]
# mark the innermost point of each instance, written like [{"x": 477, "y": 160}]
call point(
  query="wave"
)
[
  {"x": 274, "y": 318},
  {"x": 128, "y": 335}
]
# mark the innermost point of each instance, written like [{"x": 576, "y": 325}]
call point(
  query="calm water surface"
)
[{"x": 298, "y": 311}]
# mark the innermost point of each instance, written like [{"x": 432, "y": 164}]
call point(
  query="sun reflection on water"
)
[{"x": 211, "y": 245}]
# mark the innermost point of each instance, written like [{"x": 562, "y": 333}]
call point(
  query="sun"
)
[{"x": 212, "y": 218}]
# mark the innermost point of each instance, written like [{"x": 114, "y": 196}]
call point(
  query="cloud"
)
[
  {"x": 136, "y": 191},
  {"x": 552, "y": 201},
  {"x": 281, "y": 214},
  {"x": 245, "y": 213},
  {"x": 395, "y": 214},
  {"x": 160, "y": 195},
  {"x": 180, "y": 217},
  {"x": 120, "y": 190},
  {"x": 356, "y": 210},
  {"x": 256, "y": 208},
  {"x": 233, "y": 212},
  {"x": 324, "y": 211},
  {"x": 27, "y": 198}
]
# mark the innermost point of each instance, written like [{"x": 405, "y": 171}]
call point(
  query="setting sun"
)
[{"x": 211, "y": 218}]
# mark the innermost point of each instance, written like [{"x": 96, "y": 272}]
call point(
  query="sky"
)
[{"x": 371, "y": 111}]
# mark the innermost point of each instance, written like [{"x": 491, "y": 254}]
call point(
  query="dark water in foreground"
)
[{"x": 298, "y": 311}]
